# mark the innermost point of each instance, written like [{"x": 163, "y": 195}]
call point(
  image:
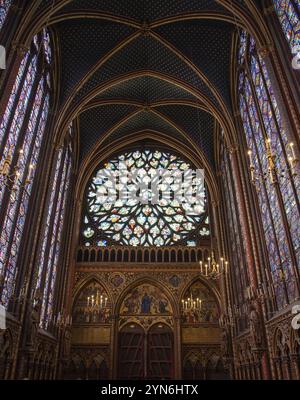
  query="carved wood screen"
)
[{"x": 147, "y": 355}]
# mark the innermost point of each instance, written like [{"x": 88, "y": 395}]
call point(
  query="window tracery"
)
[
  {"x": 132, "y": 222},
  {"x": 288, "y": 12},
  {"x": 51, "y": 242},
  {"x": 279, "y": 201},
  {"x": 22, "y": 130}
]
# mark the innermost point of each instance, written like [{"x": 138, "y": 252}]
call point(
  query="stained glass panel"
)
[
  {"x": 132, "y": 222},
  {"x": 17, "y": 119},
  {"x": 278, "y": 202},
  {"x": 52, "y": 236},
  {"x": 22, "y": 130},
  {"x": 288, "y": 12},
  {"x": 4, "y": 7}
]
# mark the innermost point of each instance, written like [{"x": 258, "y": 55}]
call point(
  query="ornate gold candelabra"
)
[
  {"x": 12, "y": 179},
  {"x": 273, "y": 171},
  {"x": 211, "y": 269}
]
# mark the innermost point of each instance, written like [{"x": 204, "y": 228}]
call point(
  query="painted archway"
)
[{"x": 145, "y": 339}]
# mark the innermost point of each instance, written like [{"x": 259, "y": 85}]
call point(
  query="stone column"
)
[
  {"x": 177, "y": 348},
  {"x": 277, "y": 363},
  {"x": 286, "y": 366},
  {"x": 295, "y": 361}
]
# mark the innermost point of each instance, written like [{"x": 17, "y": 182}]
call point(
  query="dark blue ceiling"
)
[
  {"x": 176, "y": 63},
  {"x": 95, "y": 122},
  {"x": 146, "y": 89},
  {"x": 141, "y": 10},
  {"x": 83, "y": 43}
]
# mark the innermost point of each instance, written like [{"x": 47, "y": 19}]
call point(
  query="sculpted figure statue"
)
[
  {"x": 255, "y": 327},
  {"x": 34, "y": 313}
]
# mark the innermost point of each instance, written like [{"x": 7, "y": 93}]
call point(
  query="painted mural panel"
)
[
  {"x": 145, "y": 299},
  {"x": 199, "y": 305},
  {"x": 92, "y": 306}
]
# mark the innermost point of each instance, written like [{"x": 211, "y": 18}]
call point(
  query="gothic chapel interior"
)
[{"x": 121, "y": 288}]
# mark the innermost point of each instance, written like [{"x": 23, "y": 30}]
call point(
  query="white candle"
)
[
  {"x": 251, "y": 165},
  {"x": 292, "y": 150},
  {"x": 291, "y": 162},
  {"x": 30, "y": 172},
  {"x": 250, "y": 156}
]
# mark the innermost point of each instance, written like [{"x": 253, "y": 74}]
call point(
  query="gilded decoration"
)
[
  {"x": 145, "y": 299},
  {"x": 92, "y": 305},
  {"x": 199, "y": 305}
]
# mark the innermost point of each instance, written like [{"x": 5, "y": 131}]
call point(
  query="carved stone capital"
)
[
  {"x": 269, "y": 10},
  {"x": 20, "y": 48},
  {"x": 265, "y": 51},
  {"x": 233, "y": 149}
]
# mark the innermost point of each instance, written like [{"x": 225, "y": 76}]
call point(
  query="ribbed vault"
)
[{"x": 128, "y": 67}]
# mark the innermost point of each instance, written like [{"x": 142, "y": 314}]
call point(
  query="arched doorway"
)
[
  {"x": 146, "y": 354},
  {"x": 131, "y": 352},
  {"x": 160, "y": 352}
]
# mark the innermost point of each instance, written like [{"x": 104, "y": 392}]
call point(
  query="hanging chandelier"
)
[
  {"x": 272, "y": 170},
  {"x": 95, "y": 303},
  {"x": 13, "y": 180},
  {"x": 210, "y": 269},
  {"x": 191, "y": 304}
]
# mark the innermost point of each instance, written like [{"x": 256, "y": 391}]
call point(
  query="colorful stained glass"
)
[
  {"x": 262, "y": 120},
  {"x": 47, "y": 225},
  {"x": 12, "y": 128},
  {"x": 29, "y": 101},
  {"x": 288, "y": 12},
  {"x": 4, "y": 7},
  {"x": 51, "y": 244},
  {"x": 131, "y": 221}
]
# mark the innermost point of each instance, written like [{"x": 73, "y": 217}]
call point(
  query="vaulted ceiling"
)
[{"x": 130, "y": 66}]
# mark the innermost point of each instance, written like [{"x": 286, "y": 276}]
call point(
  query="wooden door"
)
[
  {"x": 131, "y": 352},
  {"x": 160, "y": 348}
]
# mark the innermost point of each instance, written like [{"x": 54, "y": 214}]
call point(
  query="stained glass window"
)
[
  {"x": 22, "y": 130},
  {"x": 4, "y": 7},
  {"x": 136, "y": 222},
  {"x": 279, "y": 201},
  {"x": 288, "y": 12},
  {"x": 52, "y": 233}
]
